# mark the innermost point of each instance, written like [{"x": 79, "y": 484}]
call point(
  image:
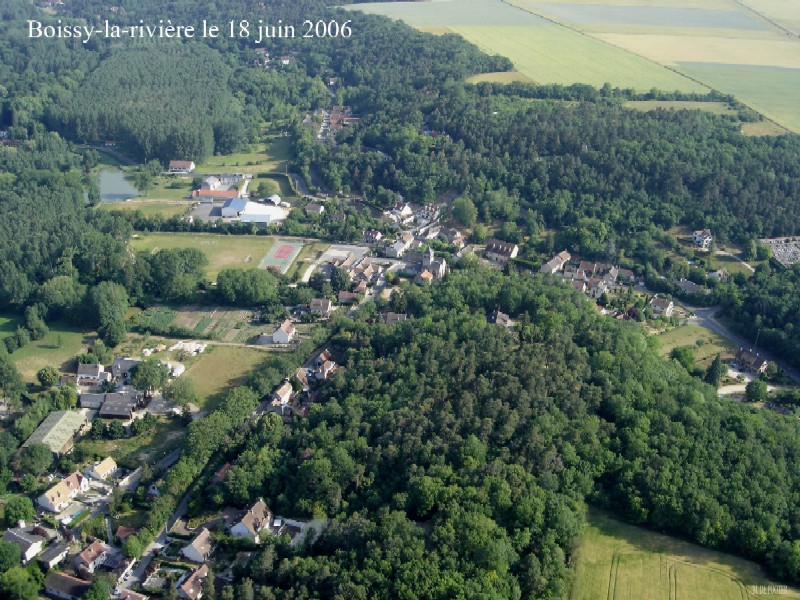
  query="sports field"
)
[
  {"x": 223, "y": 251},
  {"x": 281, "y": 255},
  {"x": 615, "y": 561}
]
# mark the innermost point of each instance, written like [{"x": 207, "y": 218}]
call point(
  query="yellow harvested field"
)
[
  {"x": 615, "y": 561},
  {"x": 784, "y": 12},
  {"x": 559, "y": 55},
  {"x": 717, "y": 108},
  {"x": 671, "y": 50}
]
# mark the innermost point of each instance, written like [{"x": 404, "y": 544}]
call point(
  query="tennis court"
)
[{"x": 281, "y": 255}]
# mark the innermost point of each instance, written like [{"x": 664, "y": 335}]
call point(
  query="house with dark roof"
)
[
  {"x": 749, "y": 360},
  {"x": 92, "y": 375},
  {"x": 192, "y": 587},
  {"x": 122, "y": 368},
  {"x": 500, "y": 318},
  {"x": 500, "y": 252},
  {"x": 662, "y": 306},
  {"x": 94, "y": 555},
  {"x": 320, "y": 306},
  {"x": 23, "y": 538},
  {"x": 119, "y": 406},
  {"x": 555, "y": 264},
  {"x": 65, "y": 587},
  {"x": 54, "y": 555},
  {"x": 390, "y": 318},
  {"x": 233, "y": 207}
]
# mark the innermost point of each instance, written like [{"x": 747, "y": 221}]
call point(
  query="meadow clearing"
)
[
  {"x": 57, "y": 349},
  {"x": 615, "y": 561},
  {"x": 222, "y": 251},
  {"x": 269, "y": 157},
  {"x": 705, "y": 343},
  {"x": 150, "y": 208}
]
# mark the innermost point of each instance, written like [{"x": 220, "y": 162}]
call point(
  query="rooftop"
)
[{"x": 57, "y": 429}]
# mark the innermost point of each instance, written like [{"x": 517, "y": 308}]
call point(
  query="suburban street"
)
[{"x": 704, "y": 317}]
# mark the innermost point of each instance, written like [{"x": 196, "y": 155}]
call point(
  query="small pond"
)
[{"x": 114, "y": 187}]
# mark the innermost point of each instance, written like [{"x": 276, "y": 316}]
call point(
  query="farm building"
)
[
  {"x": 181, "y": 166},
  {"x": 58, "y": 431},
  {"x": 123, "y": 367},
  {"x": 92, "y": 375},
  {"x": 205, "y": 195}
]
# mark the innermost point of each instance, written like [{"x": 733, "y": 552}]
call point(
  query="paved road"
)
[{"x": 704, "y": 317}]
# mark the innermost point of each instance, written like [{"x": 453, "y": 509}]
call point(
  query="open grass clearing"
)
[
  {"x": 151, "y": 446},
  {"x": 556, "y": 54},
  {"x": 221, "y": 367},
  {"x": 772, "y": 91},
  {"x": 500, "y": 77},
  {"x": 261, "y": 158},
  {"x": 710, "y": 343},
  {"x": 169, "y": 187},
  {"x": 223, "y": 251},
  {"x": 57, "y": 349},
  {"x": 149, "y": 208},
  {"x": 763, "y": 128},
  {"x": 615, "y": 561},
  {"x": 717, "y": 108},
  {"x": 308, "y": 255},
  {"x": 8, "y": 325}
]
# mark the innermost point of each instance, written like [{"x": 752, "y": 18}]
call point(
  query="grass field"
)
[
  {"x": 553, "y": 54},
  {"x": 8, "y": 325},
  {"x": 541, "y": 50},
  {"x": 616, "y": 561},
  {"x": 220, "y": 368},
  {"x": 146, "y": 448},
  {"x": 770, "y": 90},
  {"x": 500, "y": 77},
  {"x": 688, "y": 335},
  {"x": 149, "y": 208},
  {"x": 308, "y": 255},
  {"x": 169, "y": 187},
  {"x": 223, "y": 251},
  {"x": 263, "y": 158},
  {"x": 57, "y": 349}
]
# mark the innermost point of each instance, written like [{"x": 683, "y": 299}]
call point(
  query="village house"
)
[
  {"x": 500, "y": 252},
  {"x": 65, "y": 587},
  {"x": 320, "y": 306},
  {"x": 702, "y": 239},
  {"x": 500, "y": 318},
  {"x": 390, "y": 318},
  {"x": 58, "y": 431},
  {"x": 452, "y": 236},
  {"x": 662, "y": 306},
  {"x": 314, "y": 208},
  {"x": 401, "y": 213},
  {"x": 325, "y": 370},
  {"x": 372, "y": 236},
  {"x": 255, "y": 520},
  {"x": 131, "y": 595},
  {"x": 397, "y": 249},
  {"x": 689, "y": 287},
  {"x": 425, "y": 277},
  {"x": 93, "y": 556},
  {"x": 92, "y": 375},
  {"x": 58, "y": 497},
  {"x": 192, "y": 587},
  {"x": 200, "y": 548},
  {"x": 122, "y": 368},
  {"x": 344, "y": 297},
  {"x": 54, "y": 555},
  {"x": 284, "y": 334},
  {"x": 555, "y": 264},
  {"x": 597, "y": 287},
  {"x": 282, "y": 395},
  {"x": 181, "y": 166},
  {"x": 579, "y": 284},
  {"x": 103, "y": 470},
  {"x": 749, "y": 360},
  {"x": 28, "y": 543},
  {"x": 302, "y": 376}
]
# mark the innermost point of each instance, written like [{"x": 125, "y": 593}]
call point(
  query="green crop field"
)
[
  {"x": 223, "y": 251},
  {"x": 772, "y": 91},
  {"x": 615, "y": 561},
  {"x": 540, "y": 50}
]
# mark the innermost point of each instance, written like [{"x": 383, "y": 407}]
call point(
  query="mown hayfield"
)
[
  {"x": 770, "y": 90},
  {"x": 221, "y": 367},
  {"x": 689, "y": 335},
  {"x": 262, "y": 158},
  {"x": 57, "y": 349},
  {"x": 149, "y": 208},
  {"x": 615, "y": 561},
  {"x": 223, "y": 251},
  {"x": 554, "y": 54}
]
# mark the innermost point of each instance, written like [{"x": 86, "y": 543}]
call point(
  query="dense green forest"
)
[{"x": 454, "y": 455}]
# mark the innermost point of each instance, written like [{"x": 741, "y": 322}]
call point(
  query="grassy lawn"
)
[
  {"x": 149, "y": 208},
  {"x": 169, "y": 187},
  {"x": 262, "y": 158},
  {"x": 149, "y": 447},
  {"x": 616, "y": 561},
  {"x": 308, "y": 254},
  {"x": 220, "y": 368},
  {"x": 721, "y": 261},
  {"x": 223, "y": 251},
  {"x": 8, "y": 325},
  {"x": 57, "y": 349},
  {"x": 689, "y": 335}
]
